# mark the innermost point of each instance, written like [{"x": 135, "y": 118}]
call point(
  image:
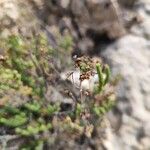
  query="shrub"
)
[{"x": 26, "y": 72}]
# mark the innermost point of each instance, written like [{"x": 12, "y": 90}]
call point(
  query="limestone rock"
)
[{"x": 129, "y": 56}]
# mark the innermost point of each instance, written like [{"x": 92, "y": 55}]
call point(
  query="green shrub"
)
[{"x": 26, "y": 72}]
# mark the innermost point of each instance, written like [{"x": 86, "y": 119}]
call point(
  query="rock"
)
[
  {"x": 129, "y": 56},
  {"x": 143, "y": 29},
  {"x": 9, "y": 13},
  {"x": 9, "y": 9},
  {"x": 131, "y": 59},
  {"x": 17, "y": 17},
  {"x": 127, "y": 3},
  {"x": 64, "y": 93},
  {"x": 11, "y": 142},
  {"x": 100, "y": 16}
]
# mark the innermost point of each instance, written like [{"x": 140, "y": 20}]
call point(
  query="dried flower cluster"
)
[{"x": 86, "y": 66}]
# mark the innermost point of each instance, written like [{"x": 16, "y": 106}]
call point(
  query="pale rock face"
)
[
  {"x": 130, "y": 57},
  {"x": 9, "y": 9},
  {"x": 9, "y": 12},
  {"x": 143, "y": 28}
]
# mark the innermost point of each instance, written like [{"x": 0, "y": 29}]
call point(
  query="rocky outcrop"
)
[
  {"x": 17, "y": 17},
  {"x": 130, "y": 56},
  {"x": 88, "y": 20},
  {"x": 99, "y": 16},
  {"x": 9, "y": 13}
]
